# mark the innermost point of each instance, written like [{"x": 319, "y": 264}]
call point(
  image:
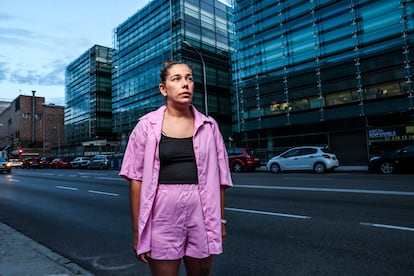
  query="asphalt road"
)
[{"x": 288, "y": 224}]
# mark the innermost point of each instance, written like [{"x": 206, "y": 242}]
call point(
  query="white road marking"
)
[
  {"x": 267, "y": 213},
  {"x": 108, "y": 178},
  {"x": 89, "y": 191},
  {"x": 67, "y": 188},
  {"x": 102, "y": 193},
  {"x": 357, "y": 191},
  {"x": 387, "y": 226}
]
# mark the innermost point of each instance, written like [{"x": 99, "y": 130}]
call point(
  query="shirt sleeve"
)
[
  {"x": 222, "y": 158},
  {"x": 133, "y": 161}
]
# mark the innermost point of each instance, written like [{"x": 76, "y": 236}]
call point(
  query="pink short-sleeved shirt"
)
[{"x": 141, "y": 162}]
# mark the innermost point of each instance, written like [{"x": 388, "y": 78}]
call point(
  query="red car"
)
[
  {"x": 243, "y": 159},
  {"x": 59, "y": 163}
]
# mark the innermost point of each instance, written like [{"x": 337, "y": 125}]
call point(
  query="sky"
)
[{"x": 38, "y": 39}]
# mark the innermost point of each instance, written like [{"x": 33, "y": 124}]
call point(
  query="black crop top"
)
[{"x": 177, "y": 161}]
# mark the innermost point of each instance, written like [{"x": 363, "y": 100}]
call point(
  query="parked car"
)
[
  {"x": 59, "y": 163},
  {"x": 5, "y": 166},
  {"x": 400, "y": 159},
  {"x": 80, "y": 162},
  {"x": 33, "y": 163},
  {"x": 99, "y": 161},
  {"x": 243, "y": 159},
  {"x": 16, "y": 163},
  {"x": 316, "y": 159},
  {"x": 45, "y": 162}
]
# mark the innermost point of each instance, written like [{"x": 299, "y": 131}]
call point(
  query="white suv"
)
[
  {"x": 316, "y": 159},
  {"x": 80, "y": 162}
]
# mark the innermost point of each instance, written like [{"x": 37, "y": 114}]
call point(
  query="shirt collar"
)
[{"x": 157, "y": 116}]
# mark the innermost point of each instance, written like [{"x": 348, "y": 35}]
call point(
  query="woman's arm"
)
[
  {"x": 134, "y": 202},
  {"x": 223, "y": 219}
]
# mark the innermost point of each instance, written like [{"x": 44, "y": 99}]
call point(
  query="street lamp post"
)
[{"x": 204, "y": 75}]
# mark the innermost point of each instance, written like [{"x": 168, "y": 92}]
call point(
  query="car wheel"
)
[
  {"x": 8, "y": 171},
  {"x": 387, "y": 168},
  {"x": 319, "y": 167},
  {"x": 237, "y": 167},
  {"x": 275, "y": 168}
]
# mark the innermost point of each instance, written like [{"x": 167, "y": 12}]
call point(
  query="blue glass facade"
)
[
  {"x": 321, "y": 72},
  {"x": 88, "y": 112},
  {"x": 195, "y": 29}
]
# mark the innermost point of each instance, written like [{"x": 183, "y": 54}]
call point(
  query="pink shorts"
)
[{"x": 178, "y": 228}]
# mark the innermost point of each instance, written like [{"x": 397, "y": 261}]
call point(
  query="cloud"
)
[
  {"x": 3, "y": 71},
  {"x": 5, "y": 16},
  {"x": 52, "y": 74}
]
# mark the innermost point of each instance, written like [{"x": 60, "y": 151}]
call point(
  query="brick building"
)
[{"x": 29, "y": 127}]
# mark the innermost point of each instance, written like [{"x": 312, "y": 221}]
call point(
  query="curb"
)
[{"x": 20, "y": 255}]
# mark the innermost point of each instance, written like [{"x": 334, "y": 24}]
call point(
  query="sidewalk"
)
[{"x": 19, "y": 255}]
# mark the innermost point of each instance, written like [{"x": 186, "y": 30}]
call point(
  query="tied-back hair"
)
[{"x": 166, "y": 65}]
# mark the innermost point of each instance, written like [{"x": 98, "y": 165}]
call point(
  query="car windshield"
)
[{"x": 409, "y": 148}]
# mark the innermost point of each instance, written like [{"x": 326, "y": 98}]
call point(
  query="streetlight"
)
[{"x": 204, "y": 75}]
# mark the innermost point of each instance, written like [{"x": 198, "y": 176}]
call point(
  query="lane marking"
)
[
  {"x": 67, "y": 188},
  {"x": 387, "y": 226},
  {"x": 267, "y": 213},
  {"x": 357, "y": 191},
  {"x": 102, "y": 193},
  {"x": 14, "y": 180},
  {"x": 108, "y": 178}
]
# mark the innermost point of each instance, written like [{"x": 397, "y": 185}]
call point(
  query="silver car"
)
[
  {"x": 80, "y": 162},
  {"x": 99, "y": 161},
  {"x": 308, "y": 158},
  {"x": 4, "y": 165}
]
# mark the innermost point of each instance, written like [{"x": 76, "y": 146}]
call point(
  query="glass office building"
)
[
  {"x": 334, "y": 73},
  {"x": 88, "y": 107},
  {"x": 192, "y": 31}
]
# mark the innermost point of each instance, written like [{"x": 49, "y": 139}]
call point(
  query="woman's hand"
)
[
  {"x": 223, "y": 232},
  {"x": 142, "y": 257}
]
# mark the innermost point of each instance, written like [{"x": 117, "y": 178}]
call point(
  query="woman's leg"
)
[
  {"x": 163, "y": 267},
  {"x": 198, "y": 267}
]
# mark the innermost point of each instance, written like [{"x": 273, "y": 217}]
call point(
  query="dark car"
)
[
  {"x": 33, "y": 163},
  {"x": 243, "y": 159},
  {"x": 5, "y": 166},
  {"x": 45, "y": 162},
  {"x": 99, "y": 161},
  {"x": 59, "y": 163},
  {"x": 400, "y": 159}
]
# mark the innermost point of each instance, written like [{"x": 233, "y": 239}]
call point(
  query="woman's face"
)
[{"x": 179, "y": 85}]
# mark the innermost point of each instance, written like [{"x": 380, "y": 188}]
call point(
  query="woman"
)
[{"x": 178, "y": 170}]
